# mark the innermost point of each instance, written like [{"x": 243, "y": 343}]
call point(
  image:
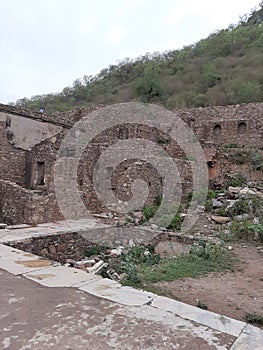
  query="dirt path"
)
[{"x": 230, "y": 294}]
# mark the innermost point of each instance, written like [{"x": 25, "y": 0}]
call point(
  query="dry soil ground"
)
[{"x": 230, "y": 294}]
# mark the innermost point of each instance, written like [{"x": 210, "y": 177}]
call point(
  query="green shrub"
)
[
  {"x": 257, "y": 229},
  {"x": 254, "y": 318},
  {"x": 239, "y": 157},
  {"x": 231, "y": 145},
  {"x": 237, "y": 181},
  {"x": 96, "y": 250},
  {"x": 149, "y": 212},
  {"x": 202, "y": 305},
  {"x": 241, "y": 206},
  {"x": 246, "y": 231},
  {"x": 256, "y": 159},
  {"x": 170, "y": 221}
]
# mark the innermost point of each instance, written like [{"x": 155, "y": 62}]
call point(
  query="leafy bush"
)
[
  {"x": 149, "y": 212},
  {"x": 202, "y": 305},
  {"x": 239, "y": 157},
  {"x": 246, "y": 231},
  {"x": 239, "y": 91},
  {"x": 256, "y": 159},
  {"x": 241, "y": 206},
  {"x": 257, "y": 229},
  {"x": 95, "y": 250},
  {"x": 149, "y": 88},
  {"x": 254, "y": 318},
  {"x": 237, "y": 181}
]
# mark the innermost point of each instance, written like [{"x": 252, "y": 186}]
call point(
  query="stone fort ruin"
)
[{"x": 29, "y": 144}]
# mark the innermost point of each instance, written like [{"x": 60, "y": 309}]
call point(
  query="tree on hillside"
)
[{"x": 149, "y": 87}]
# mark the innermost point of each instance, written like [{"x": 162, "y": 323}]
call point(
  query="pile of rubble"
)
[
  {"x": 232, "y": 197},
  {"x": 96, "y": 263}
]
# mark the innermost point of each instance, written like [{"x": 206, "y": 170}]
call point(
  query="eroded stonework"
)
[{"x": 30, "y": 142}]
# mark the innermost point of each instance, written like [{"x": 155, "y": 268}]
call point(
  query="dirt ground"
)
[{"x": 230, "y": 294}]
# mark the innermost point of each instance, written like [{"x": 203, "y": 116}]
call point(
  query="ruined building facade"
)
[{"x": 29, "y": 144}]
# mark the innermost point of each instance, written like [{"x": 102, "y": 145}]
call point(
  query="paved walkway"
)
[{"x": 48, "y": 306}]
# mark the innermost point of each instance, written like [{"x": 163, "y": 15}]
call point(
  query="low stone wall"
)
[{"x": 58, "y": 247}]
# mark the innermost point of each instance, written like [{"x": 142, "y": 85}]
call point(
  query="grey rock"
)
[
  {"x": 241, "y": 217},
  {"x": 216, "y": 203},
  {"x": 154, "y": 227},
  {"x": 230, "y": 203},
  {"x": 246, "y": 191},
  {"x": 234, "y": 190}
]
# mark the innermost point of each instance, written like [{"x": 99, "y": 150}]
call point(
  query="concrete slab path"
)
[{"x": 44, "y": 305}]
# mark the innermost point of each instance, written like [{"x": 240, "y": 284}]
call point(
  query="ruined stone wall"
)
[
  {"x": 58, "y": 247},
  {"x": 13, "y": 161},
  {"x": 19, "y": 205},
  {"x": 215, "y": 127},
  {"x": 66, "y": 119},
  {"x": 240, "y": 124}
]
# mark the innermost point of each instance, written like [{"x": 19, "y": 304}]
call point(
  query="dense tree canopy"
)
[{"x": 225, "y": 68}]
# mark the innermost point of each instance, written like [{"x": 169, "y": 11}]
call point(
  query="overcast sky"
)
[{"x": 47, "y": 44}]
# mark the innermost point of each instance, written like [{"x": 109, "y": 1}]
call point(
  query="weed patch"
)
[
  {"x": 200, "y": 261},
  {"x": 246, "y": 231}
]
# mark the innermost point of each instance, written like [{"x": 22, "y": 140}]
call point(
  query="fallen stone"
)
[
  {"x": 52, "y": 249},
  {"x": 44, "y": 252},
  {"x": 230, "y": 203},
  {"x": 201, "y": 208},
  {"x": 246, "y": 191},
  {"x": 220, "y": 219},
  {"x": 234, "y": 190},
  {"x": 216, "y": 203},
  {"x": 241, "y": 217},
  {"x": 101, "y": 215},
  {"x": 117, "y": 251},
  {"x": 113, "y": 275},
  {"x": 131, "y": 243},
  {"x": 85, "y": 263},
  {"x": 138, "y": 214},
  {"x": 97, "y": 267},
  {"x": 3, "y": 226},
  {"x": 154, "y": 227},
  {"x": 256, "y": 221},
  {"x": 71, "y": 262}
]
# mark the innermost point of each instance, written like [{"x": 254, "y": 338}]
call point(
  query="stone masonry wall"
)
[
  {"x": 13, "y": 161},
  {"x": 19, "y": 205},
  {"x": 215, "y": 127},
  {"x": 240, "y": 124},
  {"x": 58, "y": 247}
]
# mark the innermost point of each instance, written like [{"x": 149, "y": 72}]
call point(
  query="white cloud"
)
[
  {"x": 127, "y": 8},
  {"x": 86, "y": 26},
  {"x": 116, "y": 35},
  {"x": 179, "y": 12}
]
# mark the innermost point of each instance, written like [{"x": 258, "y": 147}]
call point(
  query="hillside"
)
[{"x": 225, "y": 68}]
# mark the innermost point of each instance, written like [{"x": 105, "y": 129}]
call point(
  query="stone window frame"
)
[
  {"x": 217, "y": 130},
  {"x": 242, "y": 127}
]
